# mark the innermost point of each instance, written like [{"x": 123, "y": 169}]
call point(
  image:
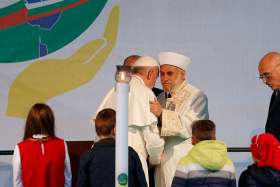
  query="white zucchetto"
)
[{"x": 145, "y": 61}]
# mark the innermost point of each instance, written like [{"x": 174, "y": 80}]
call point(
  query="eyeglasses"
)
[{"x": 267, "y": 76}]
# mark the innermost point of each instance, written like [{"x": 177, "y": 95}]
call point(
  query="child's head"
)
[
  {"x": 203, "y": 130},
  {"x": 265, "y": 149},
  {"x": 40, "y": 120},
  {"x": 105, "y": 123}
]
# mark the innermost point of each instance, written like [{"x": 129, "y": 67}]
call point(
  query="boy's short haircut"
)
[
  {"x": 105, "y": 122},
  {"x": 204, "y": 130}
]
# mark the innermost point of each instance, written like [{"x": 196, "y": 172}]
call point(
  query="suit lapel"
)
[{"x": 274, "y": 103}]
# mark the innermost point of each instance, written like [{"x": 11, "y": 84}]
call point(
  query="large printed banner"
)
[
  {"x": 64, "y": 52},
  {"x": 33, "y": 29},
  {"x": 31, "y": 32}
]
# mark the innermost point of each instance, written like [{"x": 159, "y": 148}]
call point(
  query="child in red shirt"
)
[{"x": 41, "y": 159}]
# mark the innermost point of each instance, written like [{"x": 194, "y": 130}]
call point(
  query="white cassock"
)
[
  {"x": 186, "y": 105},
  {"x": 143, "y": 133}
]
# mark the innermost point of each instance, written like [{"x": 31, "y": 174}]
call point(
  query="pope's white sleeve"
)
[
  {"x": 17, "y": 180},
  {"x": 178, "y": 123},
  {"x": 154, "y": 144},
  {"x": 67, "y": 169}
]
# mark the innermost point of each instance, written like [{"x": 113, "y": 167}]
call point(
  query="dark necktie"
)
[
  {"x": 277, "y": 93},
  {"x": 275, "y": 100}
]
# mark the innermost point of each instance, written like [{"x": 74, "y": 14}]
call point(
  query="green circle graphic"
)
[
  {"x": 22, "y": 42},
  {"x": 122, "y": 179}
]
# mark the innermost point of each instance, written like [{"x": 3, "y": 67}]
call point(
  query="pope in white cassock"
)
[
  {"x": 179, "y": 105},
  {"x": 143, "y": 133}
]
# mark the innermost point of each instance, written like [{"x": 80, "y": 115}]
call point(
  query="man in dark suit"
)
[{"x": 269, "y": 70}]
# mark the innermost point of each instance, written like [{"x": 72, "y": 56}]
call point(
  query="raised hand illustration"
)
[{"x": 48, "y": 78}]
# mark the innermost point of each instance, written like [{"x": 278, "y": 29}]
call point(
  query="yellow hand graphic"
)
[{"x": 45, "y": 79}]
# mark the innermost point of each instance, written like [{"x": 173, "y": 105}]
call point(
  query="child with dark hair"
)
[
  {"x": 265, "y": 149},
  {"x": 207, "y": 163},
  {"x": 41, "y": 159},
  {"x": 97, "y": 166}
]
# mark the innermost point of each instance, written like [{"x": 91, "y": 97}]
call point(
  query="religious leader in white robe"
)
[
  {"x": 143, "y": 133},
  {"x": 178, "y": 107}
]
